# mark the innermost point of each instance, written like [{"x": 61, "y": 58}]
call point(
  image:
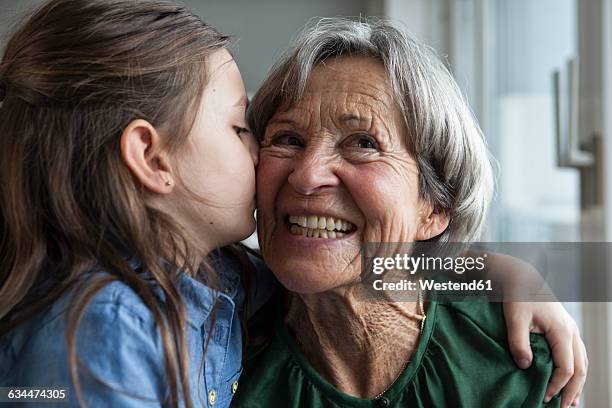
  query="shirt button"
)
[
  {"x": 382, "y": 402},
  {"x": 234, "y": 387},
  {"x": 212, "y": 397}
]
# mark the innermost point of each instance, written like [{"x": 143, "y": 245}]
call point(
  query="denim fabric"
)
[{"x": 119, "y": 342}]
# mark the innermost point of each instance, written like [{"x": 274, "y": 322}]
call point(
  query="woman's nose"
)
[{"x": 312, "y": 171}]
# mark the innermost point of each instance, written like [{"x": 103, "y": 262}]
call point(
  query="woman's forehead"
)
[
  {"x": 353, "y": 106},
  {"x": 356, "y": 73}
]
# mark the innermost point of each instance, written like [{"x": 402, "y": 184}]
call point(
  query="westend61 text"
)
[{"x": 432, "y": 285}]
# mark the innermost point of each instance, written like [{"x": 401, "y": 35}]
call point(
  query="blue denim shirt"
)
[{"x": 119, "y": 342}]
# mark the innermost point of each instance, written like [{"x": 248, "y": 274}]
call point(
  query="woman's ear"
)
[
  {"x": 141, "y": 150},
  {"x": 431, "y": 225}
]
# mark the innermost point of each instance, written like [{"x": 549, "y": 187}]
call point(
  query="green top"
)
[{"x": 462, "y": 360}]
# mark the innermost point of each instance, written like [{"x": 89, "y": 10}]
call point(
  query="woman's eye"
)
[
  {"x": 362, "y": 141},
  {"x": 287, "y": 139}
]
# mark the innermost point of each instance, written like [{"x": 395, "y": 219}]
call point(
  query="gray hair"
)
[{"x": 455, "y": 173}]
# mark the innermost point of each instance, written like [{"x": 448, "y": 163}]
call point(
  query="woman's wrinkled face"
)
[{"x": 335, "y": 171}]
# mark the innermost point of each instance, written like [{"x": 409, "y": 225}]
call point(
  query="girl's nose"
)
[{"x": 253, "y": 145}]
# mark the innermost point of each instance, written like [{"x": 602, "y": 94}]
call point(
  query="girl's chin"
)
[
  {"x": 233, "y": 233},
  {"x": 248, "y": 230}
]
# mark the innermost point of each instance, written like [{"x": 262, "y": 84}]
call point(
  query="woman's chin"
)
[
  {"x": 307, "y": 279},
  {"x": 305, "y": 287}
]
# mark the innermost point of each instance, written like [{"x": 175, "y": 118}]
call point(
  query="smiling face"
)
[{"x": 335, "y": 171}]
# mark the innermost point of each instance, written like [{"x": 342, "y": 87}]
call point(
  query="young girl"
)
[{"x": 125, "y": 163}]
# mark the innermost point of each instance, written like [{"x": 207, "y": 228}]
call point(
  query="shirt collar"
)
[{"x": 197, "y": 297}]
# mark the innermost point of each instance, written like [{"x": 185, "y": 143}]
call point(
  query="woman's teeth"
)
[
  {"x": 315, "y": 232},
  {"x": 319, "y": 227}
]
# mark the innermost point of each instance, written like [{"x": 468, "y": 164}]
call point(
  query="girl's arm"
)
[
  {"x": 551, "y": 319},
  {"x": 568, "y": 350}
]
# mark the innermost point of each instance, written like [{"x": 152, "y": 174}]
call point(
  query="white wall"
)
[
  {"x": 426, "y": 19},
  {"x": 263, "y": 28}
]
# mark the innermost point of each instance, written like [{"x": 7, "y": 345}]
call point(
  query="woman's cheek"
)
[
  {"x": 388, "y": 202},
  {"x": 270, "y": 179}
]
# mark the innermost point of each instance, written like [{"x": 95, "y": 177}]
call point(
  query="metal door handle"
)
[{"x": 569, "y": 153}]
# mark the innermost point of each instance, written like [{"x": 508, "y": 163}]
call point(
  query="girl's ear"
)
[
  {"x": 431, "y": 224},
  {"x": 141, "y": 150}
]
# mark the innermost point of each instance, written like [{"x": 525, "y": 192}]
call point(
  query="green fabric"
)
[{"x": 462, "y": 360}]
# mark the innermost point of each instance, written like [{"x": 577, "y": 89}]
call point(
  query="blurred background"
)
[{"x": 538, "y": 75}]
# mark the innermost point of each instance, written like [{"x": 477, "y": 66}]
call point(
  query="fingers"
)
[
  {"x": 518, "y": 335},
  {"x": 573, "y": 389},
  {"x": 563, "y": 358},
  {"x": 568, "y": 350}
]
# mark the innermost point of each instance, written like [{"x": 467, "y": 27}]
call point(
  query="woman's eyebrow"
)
[{"x": 284, "y": 121}]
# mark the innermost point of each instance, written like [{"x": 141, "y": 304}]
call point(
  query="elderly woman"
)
[{"x": 366, "y": 138}]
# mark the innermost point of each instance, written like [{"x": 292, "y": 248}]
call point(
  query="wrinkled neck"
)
[{"x": 360, "y": 346}]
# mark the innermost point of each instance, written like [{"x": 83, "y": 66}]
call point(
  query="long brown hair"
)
[{"x": 74, "y": 75}]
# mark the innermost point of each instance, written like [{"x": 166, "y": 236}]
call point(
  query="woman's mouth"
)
[{"x": 319, "y": 226}]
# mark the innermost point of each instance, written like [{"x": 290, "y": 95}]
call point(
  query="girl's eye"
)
[
  {"x": 288, "y": 139},
  {"x": 362, "y": 141},
  {"x": 239, "y": 130}
]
